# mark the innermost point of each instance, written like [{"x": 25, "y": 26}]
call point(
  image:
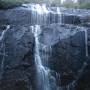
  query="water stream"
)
[
  {"x": 86, "y": 43},
  {"x": 42, "y": 76},
  {"x": 3, "y": 47}
]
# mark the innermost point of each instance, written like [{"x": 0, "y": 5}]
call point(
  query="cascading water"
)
[
  {"x": 59, "y": 15},
  {"x": 3, "y": 47},
  {"x": 41, "y": 15},
  {"x": 42, "y": 76},
  {"x": 86, "y": 42}
]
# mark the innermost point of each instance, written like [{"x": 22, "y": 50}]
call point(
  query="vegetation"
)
[
  {"x": 84, "y": 5},
  {"x": 11, "y": 3},
  {"x": 69, "y": 4},
  {"x": 77, "y": 5}
]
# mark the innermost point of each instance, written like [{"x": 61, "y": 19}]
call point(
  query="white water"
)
[
  {"x": 59, "y": 15},
  {"x": 42, "y": 14},
  {"x": 4, "y": 31},
  {"x": 42, "y": 73},
  {"x": 3, "y": 46}
]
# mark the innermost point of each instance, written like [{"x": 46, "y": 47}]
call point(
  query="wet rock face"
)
[
  {"x": 18, "y": 62},
  {"x": 71, "y": 19},
  {"x": 88, "y": 41},
  {"x": 19, "y": 41},
  {"x": 62, "y": 51},
  {"x": 13, "y": 84},
  {"x": 65, "y": 50},
  {"x": 69, "y": 56},
  {"x": 84, "y": 81}
]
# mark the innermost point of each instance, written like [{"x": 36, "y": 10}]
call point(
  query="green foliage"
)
[
  {"x": 84, "y": 5},
  {"x": 11, "y": 3}
]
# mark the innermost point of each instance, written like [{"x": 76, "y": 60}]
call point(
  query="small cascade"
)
[
  {"x": 59, "y": 15},
  {"x": 46, "y": 52},
  {"x": 41, "y": 14},
  {"x": 3, "y": 33},
  {"x": 3, "y": 47},
  {"x": 42, "y": 76},
  {"x": 86, "y": 43}
]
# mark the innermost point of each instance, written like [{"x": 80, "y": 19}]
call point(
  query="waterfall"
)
[
  {"x": 42, "y": 76},
  {"x": 3, "y": 47},
  {"x": 41, "y": 14}
]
